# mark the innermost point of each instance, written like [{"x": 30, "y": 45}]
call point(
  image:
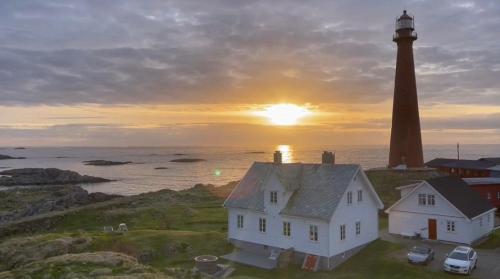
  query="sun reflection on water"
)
[{"x": 286, "y": 152}]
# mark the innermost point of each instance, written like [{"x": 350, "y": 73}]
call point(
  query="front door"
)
[{"x": 432, "y": 228}]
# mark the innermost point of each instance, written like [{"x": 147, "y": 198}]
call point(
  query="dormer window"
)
[{"x": 274, "y": 197}]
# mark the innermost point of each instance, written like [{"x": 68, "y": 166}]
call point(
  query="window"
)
[
  {"x": 342, "y": 232},
  {"x": 431, "y": 200},
  {"x": 262, "y": 225},
  {"x": 481, "y": 221},
  {"x": 450, "y": 226},
  {"x": 421, "y": 199},
  {"x": 274, "y": 197},
  {"x": 360, "y": 195},
  {"x": 488, "y": 217},
  {"x": 240, "y": 221},
  {"x": 498, "y": 195},
  {"x": 349, "y": 197},
  {"x": 313, "y": 232},
  {"x": 358, "y": 228},
  {"x": 452, "y": 170},
  {"x": 488, "y": 195},
  {"x": 286, "y": 229}
]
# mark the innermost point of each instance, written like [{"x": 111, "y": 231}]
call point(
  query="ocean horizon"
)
[{"x": 221, "y": 165}]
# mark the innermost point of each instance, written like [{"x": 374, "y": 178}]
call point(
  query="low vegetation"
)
[{"x": 167, "y": 229}]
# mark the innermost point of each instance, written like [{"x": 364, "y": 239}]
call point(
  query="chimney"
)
[
  {"x": 278, "y": 158},
  {"x": 328, "y": 158}
]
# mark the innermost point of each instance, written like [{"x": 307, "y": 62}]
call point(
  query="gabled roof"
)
[
  {"x": 469, "y": 202},
  {"x": 463, "y": 164},
  {"x": 316, "y": 188},
  {"x": 458, "y": 193}
]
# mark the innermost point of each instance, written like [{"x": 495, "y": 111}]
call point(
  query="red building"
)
[
  {"x": 463, "y": 168},
  {"x": 488, "y": 187}
]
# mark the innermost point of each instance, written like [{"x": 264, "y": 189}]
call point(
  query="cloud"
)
[{"x": 136, "y": 52}]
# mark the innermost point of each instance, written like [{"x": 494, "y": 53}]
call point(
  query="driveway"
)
[{"x": 488, "y": 263}]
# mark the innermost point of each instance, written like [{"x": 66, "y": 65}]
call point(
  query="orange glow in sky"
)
[{"x": 284, "y": 114}]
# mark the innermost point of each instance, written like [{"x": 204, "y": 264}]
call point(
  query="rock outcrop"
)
[
  {"x": 20, "y": 251},
  {"x": 16, "y": 204},
  {"x": 7, "y": 157},
  {"x": 187, "y": 160},
  {"x": 105, "y": 163},
  {"x": 49, "y": 176}
]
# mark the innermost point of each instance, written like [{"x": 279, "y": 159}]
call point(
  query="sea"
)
[{"x": 221, "y": 165}]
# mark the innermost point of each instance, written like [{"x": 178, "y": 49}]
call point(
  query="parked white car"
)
[{"x": 461, "y": 260}]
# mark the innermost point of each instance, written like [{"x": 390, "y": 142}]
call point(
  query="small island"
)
[
  {"x": 187, "y": 160},
  {"x": 105, "y": 163},
  {"x": 48, "y": 176},
  {"x": 7, "y": 157}
]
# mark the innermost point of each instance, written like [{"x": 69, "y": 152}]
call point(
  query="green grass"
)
[
  {"x": 166, "y": 247},
  {"x": 197, "y": 210},
  {"x": 493, "y": 241},
  {"x": 375, "y": 261}
]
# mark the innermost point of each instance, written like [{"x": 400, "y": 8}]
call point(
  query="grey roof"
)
[
  {"x": 317, "y": 188},
  {"x": 482, "y": 180},
  {"x": 495, "y": 160},
  {"x": 458, "y": 193},
  {"x": 462, "y": 164}
]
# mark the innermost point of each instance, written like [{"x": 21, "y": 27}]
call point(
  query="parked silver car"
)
[
  {"x": 420, "y": 255},
  {"x": 461, "y": 260}
]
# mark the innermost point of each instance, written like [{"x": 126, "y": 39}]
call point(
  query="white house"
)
[
  {"x": 324, "y": 213},
  {"x": 443, "y": 208}
]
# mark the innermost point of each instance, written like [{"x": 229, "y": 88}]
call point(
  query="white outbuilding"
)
[
  {"x": 317, "y": 215},
  {"x": 442, "y": 208}
]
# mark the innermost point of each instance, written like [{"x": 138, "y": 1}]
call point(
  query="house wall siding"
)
[
  {"x": 409, "y": 218},
  {"x": 366, "y": 212}
]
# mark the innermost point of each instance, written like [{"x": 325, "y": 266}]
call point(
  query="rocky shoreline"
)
[
  {"x": 7, "y": 157},
  {"x": 105, "y": 163},
  {"x": 48, "y": 176}
]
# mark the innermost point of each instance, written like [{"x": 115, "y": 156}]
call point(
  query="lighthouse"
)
[{"x": 406, "y": 141}]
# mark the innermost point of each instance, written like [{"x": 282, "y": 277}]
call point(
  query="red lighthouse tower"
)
[{"x": 406, "y": 141}]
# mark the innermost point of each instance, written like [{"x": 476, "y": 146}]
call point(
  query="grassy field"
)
[
  {"x": 493, "y": 241},
  {"x": 167, "y": 229}
]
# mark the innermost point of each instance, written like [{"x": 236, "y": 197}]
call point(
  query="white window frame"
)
[
  {"x": 488, "y": 195},
  {"x": 422, "y": 199},
  {"x": 313, "y": 233},
  {"x": 360, "y": 195},
  {"x": 262, "y": 225},
  {"x": 349, "y": 198},
  {"x": 431, "y": 197},
  {"x": 240, "y": 221},
  {"x": 342, "y": 232},
  {"x": 450, "y": 226},
  {"x": 498, "y": 195},
  {"x": 273, "y": 197},
  {"x": 287, "y": 229},
  {"x": 358, "y": 228}
]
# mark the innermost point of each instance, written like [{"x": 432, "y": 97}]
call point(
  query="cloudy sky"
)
[{"x": 194, "y": 72}]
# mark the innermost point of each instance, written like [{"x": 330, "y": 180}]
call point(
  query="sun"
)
[{"x": 284, "y": 114}]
